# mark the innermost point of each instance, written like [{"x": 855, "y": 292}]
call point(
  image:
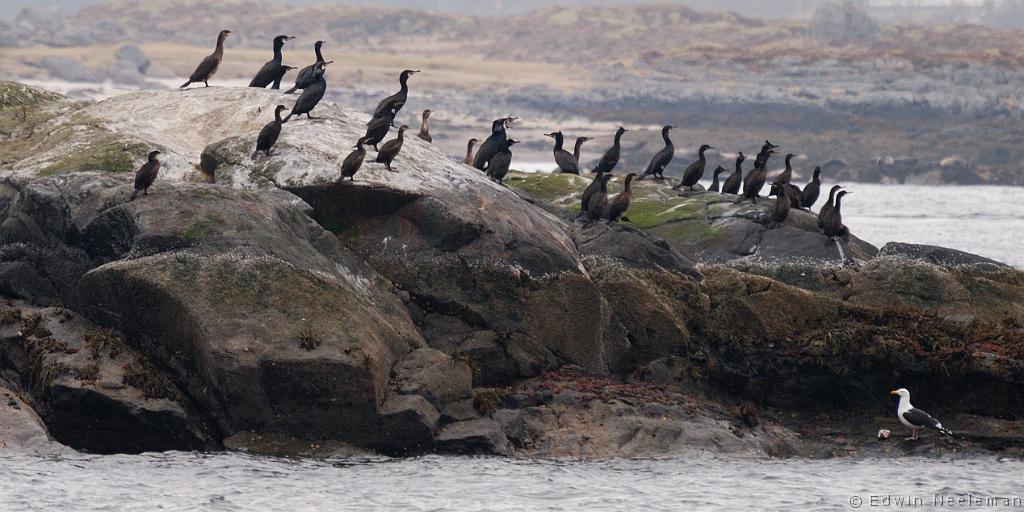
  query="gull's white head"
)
[{"x": 901, "y": 392}]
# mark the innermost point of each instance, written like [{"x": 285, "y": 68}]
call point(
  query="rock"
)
[
  {"x": 463, "y": 410},
  {"x": 408, "y": 423},
  {"x": 21, "y": 430},
  {"x": 68, "y": 68},
  {"x": 939, "y": 256},
  {"x": 434, "y": 375},
  {"x": 278, "y": 445},
  {"x": 483, "y": 437}
]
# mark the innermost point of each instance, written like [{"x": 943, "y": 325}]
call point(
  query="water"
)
[{"x": 228, "y": 482}]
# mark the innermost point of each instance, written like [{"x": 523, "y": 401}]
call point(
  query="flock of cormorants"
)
[{"x": 494, "y": 155}]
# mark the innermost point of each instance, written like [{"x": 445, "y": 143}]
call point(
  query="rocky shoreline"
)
[{"x": 262, "y": 306}]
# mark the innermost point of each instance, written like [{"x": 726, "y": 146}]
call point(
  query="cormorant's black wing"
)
[
  {"x": 205, "y": 69},
  {"x": 265, "y": 75},
  {"x": 566, "y": 162},
  {"x": 146, "y": 175}
]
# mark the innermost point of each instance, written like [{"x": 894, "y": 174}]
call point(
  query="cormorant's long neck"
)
[
  {"x": 831, "y": 197},
  {"x": 220, "y": 44},
  {"x": 629, "y": 184},
  {"x": 558, "y": 142},
  {"x": 278, "y": 44},
  {"x": 277, "y": 116},
  {"x": 839, "y": 202},
  {"x": 469, "y": 148},
  {"x": 700, "y": 154},
  {"x": 424, "y": 128},
  {"x": 817, "y": 177},
  {"x": 789, "y": 166},
  {"x": 664, "y": 135},
  {"x": 618, "y": 137},
  {"x": 401, "y": 134},
  {"x": 739, "y": 166},
  {"x": 576, "y": 150},
  {"x": 319, "y": 56},
  {"x": 404, "y": 80},
  {"x": 359, "y": 145}
]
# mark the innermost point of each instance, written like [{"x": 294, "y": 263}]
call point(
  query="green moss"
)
[
  {"x": 202, "y": 229},
  {"x": 647, "y": 213},
  {"x": 211, "y": 193},
  {"x": 108, "y": 155},
  {"x": 13, "y": 94},
  {"x": 560, "y": 189}
]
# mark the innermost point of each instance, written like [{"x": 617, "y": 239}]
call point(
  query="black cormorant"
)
[
  {"x": 576, "y": 150},
  {"x": 660, "y": 160},
  {"x": 617, "y": 207},
  {"x": 715, "y": 187},
  {"x": 599, "y": 201},
  {"x": 756, "y": 179},
  {"x": 783, "y": 203},
  {"x": 809, "y": 195},
  {"x": 269, "y": 134},
  {"x": 397, "y": 100},
  {"x": 827, "y": 207},
  {"x": 497, "y": 168},
  {"x": 832, "y": 224},
  {"x": 353, "y": 161},
  {"x": 306, "y": 75},
  {"x": 762, "y": 157},
  {"x": 592, "y": 188},
  {"x": 424, "y": 133},
  {"x": 695, "y": 171},
  {"x": 209, "y": 65},
  {"x": 735, "y": 180},
  {"x": 312, "y": 94},
  {"x": 390, "y": 149},
  {"x": 469, "y": 152},
  {"x": 493, "y": 144},
  {"x": 611, "y": 156},
  {"x": 273, "y": 71},
  {"x": 378, "y": 127},
  {"x": 566, "y": 162},
  {"x": 787, "y": 175},
  {"x": 146, "y": 175}
]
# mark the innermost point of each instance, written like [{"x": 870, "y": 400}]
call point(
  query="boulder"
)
[
  {"x": 21, "y": 430},
  {"x": 475, "y": 437},
  {"x": 939, "y": 256},
  {"x": 434, "y": 375}
]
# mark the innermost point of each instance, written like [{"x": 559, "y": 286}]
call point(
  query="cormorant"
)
[
  {"x": 273, "y": 71},
  {"x": 809, "y": 195},
  {"x": 592, "y": 188},
  {"x": 390, "y": 149},
  {"x": 311, "y": 95},
  {"x": 205, "y": 70},
  {"x": 660, "y": 160},
  {"x": 424, "y": 133},
  {"x": 469, "y": 152},
  {"x": 599, "y": 201},
  {"x": 794, "y": 195},
  {"x": 756, "y": 179},
  {"x": 786, "y": 175},
  {"x": 762, "y": 157},
  {"x": 913, "y": 418},
  {"x": 832, "y": 224},
  {"x": 397, "y": 100},
  {"x": 353, "y": 161},
  {"x": 783, "y": 203},
  {"x": 269, "y": 134},
  {"x": 735, "y": 180},
  {"x": 377, "y": 129},
  {"x": 618, "y": 206},
  {"x": 576, "y": 150},
  {"x": 695, "y": 171},
  {"x": 564, "y": 159},
  {"x": 497, "y": 168},
  {"x": 827, "y": 207},
  {"x": 306, "y": 75},
  {"x": 146, "y": 175},
  {"x": 611, "y": 156},
  {"x": 714, "y": 183},
  {"x": 494, "y": 143}
]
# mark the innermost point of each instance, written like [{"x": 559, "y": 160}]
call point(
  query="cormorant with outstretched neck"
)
[
  {"x": 397, "y": 100},
  {"x": 146, "y": 175},
  {"x": 469, "y": 152},
  {"x": 695, "y": 171},
  {"x": 762, "y": 158},
  {"x": 787, "y": 175},
  {"x": 272, "y": 71},
  {"x": 809, "y": 195},
  {"x": 497, "y": 168},
  {"x": 269, "y": 134},
  {"x": 350, "y": 166},
  {"x": 311, "y": 95},
  {"x": 618, "y": 206},
  {"x": 390, "y": 149},
  {"x": 783, "y": 203},
  {"x": 494, "y": 143},
  {"x": 611, "y": 155},
  {"x": 714, "y": 182},
  {"x": 306, "y": 75},
  {"x": 205, "y": 70},
  {"x": 827, "y": 207},
  {"x": 756, "y": 179},
  {"x": 660, "y": 160},
  {"x": 576, "y": 150},
  {"x": 424, "y": 133},
  {"x": 378, "y": 127},
  {"x": 832, "y": 224},
  {"x": 599, "y": 201},
  {"x": 566, "y": 162},
  {"x": 735, "y": 180}
]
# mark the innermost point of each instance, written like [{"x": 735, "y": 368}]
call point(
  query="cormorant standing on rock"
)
[
  {"x": 832, "y": 224},
  {"x": 424, "y": 133},
  {"x": 599, "y": 201},
  {"x": 564, "y": 159},
  {"x": 660, "y": 160},
  {"x": 695, "y": 171},
  {"x": 714, "y": 183},
  {"x": 735, "y": 180},
  {"x": 592, "y": 188},
  {"x": 618, "y": 206},
  {"x": 269, "y": 134},
  {"x": 786, "y": 175},
  {"x": 146, "y": 175},
  {"x": 809, "y": 195},
  {"x": 762, "y": 157},
  {"x": 497, "y": 168},
  {"x": 469, "y": 152},
  {"x": 610, "y": 159},
  {"x": 827, "y": 207},
  {"x": 577, "y": 148},
  {"x": 494, "y": 143},
  {"x": 390, "y": 149},
  {"x": 377, "y": 129},
  {"x": 273, "y": 71},
  {"x": 311, "y": 95},
  {"x": 397, "y": 100},
  {"x": 756, "y": 179},
  {"x": 353, "y": 161},
  {"x": 794, "y": 195},
  {"x": 307, "y": 75},
  {"x": 783, "y": 203},
  {"x": 205, "y": 70}
]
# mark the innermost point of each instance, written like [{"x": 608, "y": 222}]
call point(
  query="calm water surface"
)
[{"x": 186, "y": 481}]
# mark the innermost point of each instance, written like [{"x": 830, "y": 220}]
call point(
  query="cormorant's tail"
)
[
  {"x": 290, "y": 91},
  {"x": 255, "y": 155},
  {"x": 286, "y": 118},
  {"x": 135, "y": 193},
  {"x": 184, "y": 85}
]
